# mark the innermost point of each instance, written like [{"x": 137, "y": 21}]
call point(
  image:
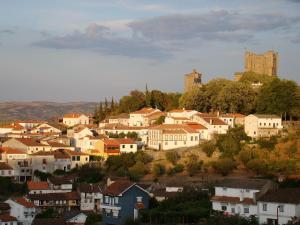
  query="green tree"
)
[
  {"x": 252, "y": 77},
  {"x": 208, "y": 147},
  {"x": 137, "y": 171},
  {"x": 278, "y": 97},
  {"x": 228, "y": 145},
  {"x": 257, "y": 165}
]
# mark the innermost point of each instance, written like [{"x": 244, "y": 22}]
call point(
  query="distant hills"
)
[{"x": 42, "y": 110}]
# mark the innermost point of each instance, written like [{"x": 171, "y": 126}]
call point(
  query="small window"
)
[
  {"x": 224, "y": 207},
  {"x": 265, "y": 208},
  {"x": 246, "y": 210},
  {"x": 116, "y": 200},
  {"x": 281, "y": 208},
  {"x": 139, "y": 199},
  {"x": 233, "y": 210},
  {"x": 123, "y": 146},
  {"x": 131, "y": 146}
]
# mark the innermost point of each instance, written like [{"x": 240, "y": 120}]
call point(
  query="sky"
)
[{"x": 86, "y": 50}]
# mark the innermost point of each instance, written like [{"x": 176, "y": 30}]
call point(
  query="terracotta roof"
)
[
  {"x": 183, "y": 128},
  {"x": 5, "y": 166},
  {"x": 144, "y": 111},
  {"x": 8, "y": 150},
  {"x": 180, "y": 110},
  {"x": 56, "y": 144},
  {"x": 89, "y": 188},
  {"x": 7, "y": 218},
  {"x": 118, "y": 187},
  {"x": 72, "y": 115},
  {"x": 196, "y": 126},
  {"x": 111, "y": 142},
  {"x": 30, "y": 142},
  {"x": 284, "y": 195},
  {"x": 42, "y": 185},
  {"x": 266, "y": 116},
  {"x": 55, "y": 196},
  {"x": 59, "y": 153},
  {"x": 24, "y": 202},
  {"x": 4, "y": 206},
  {"x": 120, "y": 116},
  {"x": 252, "y": 184},
  {"x": 125, "y": 141},
  {"x": 234, "y": 115},
  {"x": 214, "y": 121},
  {"x": 155, "y": 115},
  {"x": 59, "y": 180},
  {"x": 247, "y": 201},
  {"x": 180, "y": 118}
]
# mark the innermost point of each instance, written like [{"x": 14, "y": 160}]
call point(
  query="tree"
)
[
  {"x": 246, "y": 155},
  {"x": 137, "y": 171},
  {"x": 257, "y": 165},
  {"x": 208, "y": 147},
  {"x": 278, "y": 97},
  {"x": 252, "y": 77},
  {"x": 172, "y": 156},
  {"x": 196, "y": 99},
  {"x": 101, "y": 112},
  {"x": 193, "y": 165},
  {"x": 160, "y": 120},
  {"x": 224, "y": 166},
  {"x": 158, "y": 169},
  {"x": 228, "y": 145}
]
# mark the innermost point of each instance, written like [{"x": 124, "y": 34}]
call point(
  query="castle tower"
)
[
  {"x": 192, "y": 80},
  {"x": 266, "y": 63}
]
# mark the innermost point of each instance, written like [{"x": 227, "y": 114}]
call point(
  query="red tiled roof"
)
[
  {"x": 196, "y": 126},
  {"x": 180, "y": 118},
  {"x": 30, "y": 142},
  {"x": 144, "y": 111},
  {"x": 247, "y": 201},
  {"x": 57, "y": 144},
  {"x": 7, "y": 218},
  {"x": 37, "y": 185},
  {"x": 25, "y": 202},
  {"x": 55, "y": 196},
  {"x": 118, "y": 187},
  {"x": 125, "y": 141},
  {"x": 180, "y": 110},
  {"x": 5, "y": 166},
  {"x": 73, "y": 115},
  {"x": 183, "y": 128},
  {"x": 234, "y": 115},
  {"x": 60, "y": 153},
  {"x": 214, "y": 121},
  {"x": 8, "y": 150},
  {"x": 111, "y": 142}
]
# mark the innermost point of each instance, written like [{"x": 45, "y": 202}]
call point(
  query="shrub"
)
[
  {"x": 246, "y": 155},
  {"x": 173, "y": 157},
  {"x": 137, "y": 171},
  {"x": 209, "y": 148},
  {"x": 257, "y": 165},
  {"x": 178, "y": 168},
  {"x": 158, "y": 169},
  {"x": 224, "y": 166},
  {"x": 268, "y": 143},
  {"x": 193, "y": 167}
]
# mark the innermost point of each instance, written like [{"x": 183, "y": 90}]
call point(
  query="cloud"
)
[
  {"x": 161, "y": 37},
  {"x": 212, "y": 25},
  {"x": 100, "y": 39},
  {"x": 7, "y": 31}
]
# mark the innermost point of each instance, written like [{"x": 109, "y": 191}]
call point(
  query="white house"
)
[
  {"x": 86, "y": 143},
  {"x": 72, "y": 119},
  {"x": 6, "y": 219},
  {"x": 172, "y": 136},
  {"x": 91, "y": 196},
  {"x": 6, "y": 170},
  {"x": 45, "y": 128},
  {"x": 179, "y": 116},
  {"x": 139, "y": 118},
  {"x": 282, "y": 206},
  {"x": 40, "y": 187},
  {"x": 28, "y": 145},
  {"x": 127, "y": 145},
  {"x": 239, "y": 196},
  {"x": 233, "y": 119},
  {"x": 24, "y": 210},
  {"x": 122, "y": 118},
  {"x": 260, "y": 126}
]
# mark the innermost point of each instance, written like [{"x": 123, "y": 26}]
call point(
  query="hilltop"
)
[{"x": 41, "y": 109}]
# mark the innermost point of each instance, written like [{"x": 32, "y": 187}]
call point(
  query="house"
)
[
  {"x": 28, "y": 145},
  {"x": 60, "y": 184},
  {"x": 167, "y": 191},
  {"x": 6, "y": 170},
  {"x": 239, "y": 196},
  {"x": 179, "y": 116},
  {"x": 19, "y": 161},
  {"x": 24, "y": 210},
  {"x": 172, "y": 136},
  {"x": 8, "y": 220},
  {"x": 212, "y": 123},
  {"x": 40, "y": 187},
  {"x": 14, "y": 128},
  {"x": 233, "y": 119},
  {"x": 29, "y": 124},
  {"x": 122, "y": 118},
  {"x": 90, "y": 197},
  {"x": 123, "y": 200},
  {"x": 262, "y": 125},
  {"x": 86, "y": 143},
  {"x": 127, "y": 145},
  {"x": 202, "y": 130},
  {"x": 45, "y": 128},
  {"x": 75, "y": 217},
  {"x": 279, "y": 206},
  {"x": 107, "y": 147},
  {"x": 72, "y": 119},
  {"x": 4, "y": 208},
  {"x": 60, "y": 201},
  {"x": 140, "y": 118}
]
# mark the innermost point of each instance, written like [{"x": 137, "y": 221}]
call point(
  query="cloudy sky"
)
[{"x": 85, "y": 50}]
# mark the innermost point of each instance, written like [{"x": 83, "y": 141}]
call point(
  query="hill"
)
[{"x": 42, "y": 110}]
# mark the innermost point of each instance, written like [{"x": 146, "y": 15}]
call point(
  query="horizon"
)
[{"x": 86, "y": 50}]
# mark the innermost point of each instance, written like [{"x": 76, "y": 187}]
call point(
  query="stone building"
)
[
  {"x": 266, "y": 63},
  {"x": 192, "y": 80}
]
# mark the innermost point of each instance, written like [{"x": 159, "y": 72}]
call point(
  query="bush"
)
[
  {"x": 193, "y": 167},
  {"x": 208, "y": 147},
  {"x": 224, "y": 166},
  {"x": 172, "y": 156},
  {"x": 257, "y": 165},
  {"x": 246, "y": 155},
  {"x": 41, "y": 175},
  {"x": 158, "y": 169},
  {"x": 143, "y": 157},
  {"x": 137, "y": 171},
  {"x": 228, "y": 145},
  {"x": 178, "y": 168},
  {"x": 90, "y": 173},
  {"x": 268, "y": 143},
  {"x": 93, "y": 218}
]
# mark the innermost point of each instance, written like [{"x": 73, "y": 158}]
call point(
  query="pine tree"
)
[
  {"x": 106, "y": 107},
  {"x": 101, "y": 114},
  {"x": 96, "y": 115},
  {"x": 147, "y": 96},
  {"x": 112, "y": 105}
]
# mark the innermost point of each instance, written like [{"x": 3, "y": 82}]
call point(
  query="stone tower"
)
[
  {"x": 192, "y": 80},
  {"x": 266, "y": 63}
]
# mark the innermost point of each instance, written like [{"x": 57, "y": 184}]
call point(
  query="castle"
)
[
  {"x": 266, "y": 63},
  {"x": 192, "y": 80}
]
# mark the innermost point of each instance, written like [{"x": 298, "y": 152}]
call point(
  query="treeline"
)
[
  {"x": 135, "y": 101},
  {"x": 254, "y": 93}
]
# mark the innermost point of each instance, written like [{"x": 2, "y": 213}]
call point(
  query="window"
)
[
  {"x": 116, "y": 200},
  {"x": 123, "y": 146},
  {"x": 281, "y": 208},
  {"x": 246, "y": 210},
  {"x": 78, "y": 158},
  {"x": 106, "y": 199},
  {"x": 224, "y": 189},
  {"x": 131, "y": 146},
  {"x": 265, "y": 207},
  {"x": 224, "y": 207},
  {"x": 232, "y": 210},
  {"x": 139, "y": 199},
  {"x": 192, "y": 138}
]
